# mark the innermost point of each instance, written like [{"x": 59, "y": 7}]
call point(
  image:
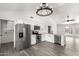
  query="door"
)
[
  {"x": 3, "y": 36},
  {"x": 27, "y": 40},
  {"x": 19, "y": 36},
  {"x": 4, "y": 31}
]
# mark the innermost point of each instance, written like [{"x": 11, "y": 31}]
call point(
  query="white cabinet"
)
[
  {"x": 42, "y": 37},
  {"x": 4, "y": 31},
  {"x": 63, "y": 42},
  {"x": 33, "y": 39},
  {"x": 7, "y": 31},
  {"x": 10, "y": 25},
  {"x": 49, "y": 37}
]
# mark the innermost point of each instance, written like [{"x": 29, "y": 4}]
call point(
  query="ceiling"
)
[
  {"x": 61, "y": 10},
  {"x": 24, "y": 6}
]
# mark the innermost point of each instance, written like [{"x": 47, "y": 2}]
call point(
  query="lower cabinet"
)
[
  {"x": 44, "y": 37},
  {"x": 7, "y": 37},
  {"x": 49, "y": 37},
  {"x": 59, "y": 39},
  {"x": 33, "y": 40}
]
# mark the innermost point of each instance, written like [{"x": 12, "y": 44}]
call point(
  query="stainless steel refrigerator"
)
[{"x": 22, "y": 36}]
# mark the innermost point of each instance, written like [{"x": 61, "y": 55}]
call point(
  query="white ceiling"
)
[
  {"x": 61, "y": 10},
  {"x": 24, "y": 6}
]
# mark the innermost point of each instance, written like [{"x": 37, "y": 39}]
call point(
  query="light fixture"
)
[
  {"x": 44, "y": 10},
  {"x": 68, "y": 20}
]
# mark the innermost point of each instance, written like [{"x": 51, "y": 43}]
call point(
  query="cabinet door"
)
[
  {"x": 10, "y": 31},
  {"x": 43, "y": 37},
  {"x": 49, "y": 38},
  {"x": 18, "y": 39},
  {"x": 27, "y": 39},
  {"x": 4, "y": 31},
  {"x": 28, "y": 35},
  {"x": 33, "y": 39}
]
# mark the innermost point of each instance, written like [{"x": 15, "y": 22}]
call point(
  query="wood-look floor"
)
[{"x": 43, "y": 49}]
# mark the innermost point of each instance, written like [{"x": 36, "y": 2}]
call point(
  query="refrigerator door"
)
[
  {"x": 19, "y": 36},
  {"x": 27, "y": 38},
  {"x": 0, "y": 34}
]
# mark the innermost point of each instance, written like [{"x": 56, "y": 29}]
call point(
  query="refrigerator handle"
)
[{"x": 24, "y": 34}]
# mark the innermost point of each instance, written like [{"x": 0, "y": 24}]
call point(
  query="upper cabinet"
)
[
  {"x": 3, "y": 26},
  {"x": 7, "y": 25},
  {"x": 10, "y": 25}
]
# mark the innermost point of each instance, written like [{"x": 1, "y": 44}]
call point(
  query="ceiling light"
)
[
  {"x": 68, "y": 20},
  {"x": 44, "y": 10}
]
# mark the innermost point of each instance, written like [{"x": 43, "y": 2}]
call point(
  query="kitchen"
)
[{"x": 24, "y": 32}]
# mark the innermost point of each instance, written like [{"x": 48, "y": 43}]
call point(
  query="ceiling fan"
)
[{"x": 68, "y": 20}]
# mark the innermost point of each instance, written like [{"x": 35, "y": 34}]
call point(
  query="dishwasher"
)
[{"x": 57, "y": 39}]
